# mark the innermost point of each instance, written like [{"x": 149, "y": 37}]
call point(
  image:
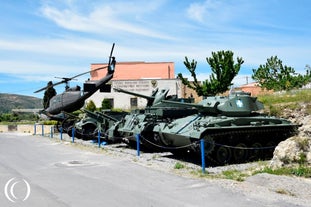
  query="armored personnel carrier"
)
[
  {"x": 232, "y": 129},
  {"x": 88, "y": 126},
  {"x": 143, "y": 120}
]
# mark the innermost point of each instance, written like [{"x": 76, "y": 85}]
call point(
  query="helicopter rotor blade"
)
[
  {"x": 58, "y": 83},
  {"x": 68, "y": 79},
  {"x": 79, "y": 75},
  {"x": 46, "y": 87},
  {"x": 65, "y": 80},
  {"x": 41, "y": 89}
]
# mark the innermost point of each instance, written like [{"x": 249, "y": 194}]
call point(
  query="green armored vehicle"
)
[
  {"x": 87, "y": 127},
  {"x": 143, "y": 120},
  {"x": 232, "y": 129}
]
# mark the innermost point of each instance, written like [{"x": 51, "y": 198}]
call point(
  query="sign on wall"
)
[{"x": 134, "y": 86}]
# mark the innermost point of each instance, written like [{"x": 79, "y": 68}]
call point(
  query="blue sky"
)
[{"x": 41, "y": 39}]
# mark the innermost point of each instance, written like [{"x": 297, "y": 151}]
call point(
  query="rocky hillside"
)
[
  {"x": 295, "y": 150},
  {"x": 14, "y": 101}
]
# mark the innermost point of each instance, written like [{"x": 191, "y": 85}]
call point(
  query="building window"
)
[{"x": 133, "y": 103}]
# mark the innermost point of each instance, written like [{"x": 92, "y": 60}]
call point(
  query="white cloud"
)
[
  {"x": 129, "y": 25},
  {"x": 196, "y": 12},
  {"x": 217, "y": 13},
  {"x": 38, "y": 70},
  {"x": 75, "y": 47},
  {"x": 61, "y": 54},
  {"x": 105, "y": 19}
]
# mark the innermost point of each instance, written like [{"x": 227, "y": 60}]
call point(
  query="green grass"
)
[
  {"x": 17, "y": 123},
  {"x": 50, "y": 122},
  {"x": 46, "y": 122},
  {"x": 275, "y": 103},
  {"x": 300, "y": 171},
  {"x": 234, "y": 175},
  {"x": 287, "y": 97},
  {"x": 179, "y": 165},
  {"x": 237, "y": 175}
]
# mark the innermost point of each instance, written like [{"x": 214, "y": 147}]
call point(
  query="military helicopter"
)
[{"x": 73, "y": 98}]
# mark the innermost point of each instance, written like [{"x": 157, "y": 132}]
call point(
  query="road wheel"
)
[
  {"x": 240, "y": 153},
  {"x": 256, "y": 152},
  {"x": 223, "y": 155},
  {"x": 270, "y": 149}
]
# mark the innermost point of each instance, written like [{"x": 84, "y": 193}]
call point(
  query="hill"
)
[{"x": 14, "y": 101}]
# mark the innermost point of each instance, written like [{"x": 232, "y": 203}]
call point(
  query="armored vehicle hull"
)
[
  {"x": 142, "y": 122},
  {"x": 227, "y": 139},
  {"x": 93, "y": 122}
]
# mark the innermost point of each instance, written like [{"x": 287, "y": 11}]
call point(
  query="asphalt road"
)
[{"x": 35, "y": 171}]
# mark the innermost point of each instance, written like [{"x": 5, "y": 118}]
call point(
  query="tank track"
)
[
  {"x": 243, "y": 145},
  {"x": 227, "y": 146}
]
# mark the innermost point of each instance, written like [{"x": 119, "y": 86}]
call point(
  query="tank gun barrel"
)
[{"x": 99, "y": 116}]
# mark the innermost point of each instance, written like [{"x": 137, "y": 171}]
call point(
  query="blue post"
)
[
  {"x": 203, "y": 156},
  {"x": 61, "y": 133},
  {"x": 98, "y": 134},
  {"x": 35, "y": 129},
  {"x": 73, "y": 134},
  {"x": 42, "y": 127},
  {"x": 51, "y": 132},
  {"x": 138, "y": 144}
]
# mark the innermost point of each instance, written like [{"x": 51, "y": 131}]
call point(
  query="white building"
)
[{"x": 145, "y": 87}]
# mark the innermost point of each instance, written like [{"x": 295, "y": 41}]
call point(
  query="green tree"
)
[
  {"x": 224, "y": 69},
  {"x": 91, "y": 106},
  {"x": 106, "y": 104},
  {"x": 276, "y": 76},
  {"x": 9, "y": 117},
  {"x": 195, "y": 85}
]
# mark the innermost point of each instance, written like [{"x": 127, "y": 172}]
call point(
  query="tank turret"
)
[{"x": 236, "y": 104}]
